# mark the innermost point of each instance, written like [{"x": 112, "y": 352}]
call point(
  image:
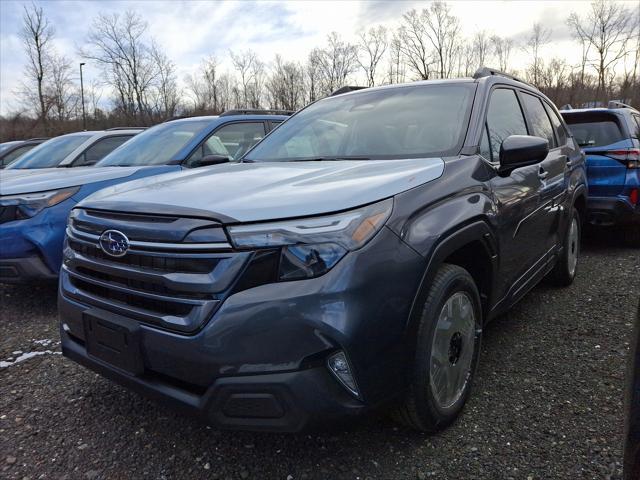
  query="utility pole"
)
[{"x": 84, "y": 115}]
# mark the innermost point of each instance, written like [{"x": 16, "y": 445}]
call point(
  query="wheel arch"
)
[{"x": 472, "y": 246}]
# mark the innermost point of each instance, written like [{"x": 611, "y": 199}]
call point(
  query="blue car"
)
[
  {"x": 35, "y": 204},
  {"x": 610, "y": 138}
]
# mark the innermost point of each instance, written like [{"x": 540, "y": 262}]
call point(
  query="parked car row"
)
[
  {"x": 344, "y": 262},
  {"x": 36, "y": 194}
]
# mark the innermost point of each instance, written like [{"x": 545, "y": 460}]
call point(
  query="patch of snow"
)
[{"x": 27, "y": 356}]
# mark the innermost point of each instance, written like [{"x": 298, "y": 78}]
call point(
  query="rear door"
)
[
  {"x": 599, "y": 134},
  {"x": 551, "y": 170}
]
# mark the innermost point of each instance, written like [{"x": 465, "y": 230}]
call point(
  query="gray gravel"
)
[{"x": 547, "y": 403}]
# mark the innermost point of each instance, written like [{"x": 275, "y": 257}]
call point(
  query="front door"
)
[{"x": 517, "y": 196}]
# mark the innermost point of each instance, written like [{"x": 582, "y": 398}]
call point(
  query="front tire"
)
[
  {"x": 447, "y": 351},
  {"x": 564, "y": 271}
]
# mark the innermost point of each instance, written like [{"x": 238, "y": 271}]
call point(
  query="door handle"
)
[{"x": 542, "y": 173}]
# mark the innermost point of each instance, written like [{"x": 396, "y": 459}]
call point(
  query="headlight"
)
[
  {"x": 30, "y": 204},
  {"x": 312, "y": 246}
]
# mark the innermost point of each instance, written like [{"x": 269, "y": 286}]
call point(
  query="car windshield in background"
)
[
  {"x": 594, "y": 133},
  {"x": 50, "y": 153},
  {"x": 156, "y": 146},
  {"x": 407, "y": 122}
]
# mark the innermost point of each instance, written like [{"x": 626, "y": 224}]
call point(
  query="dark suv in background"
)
[
  {"x": 349, "y": 261},
  {"x": 610, "y": 138}
]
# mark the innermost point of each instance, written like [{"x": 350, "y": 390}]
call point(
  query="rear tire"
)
[
  {"x": 447, "y": 351},
  {"x": 565, "y": 269}
]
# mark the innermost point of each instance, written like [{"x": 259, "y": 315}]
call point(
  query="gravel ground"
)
[{"x": 547, "y": 403}]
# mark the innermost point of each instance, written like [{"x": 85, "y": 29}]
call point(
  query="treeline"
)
[{"x": 139, "y": 86}]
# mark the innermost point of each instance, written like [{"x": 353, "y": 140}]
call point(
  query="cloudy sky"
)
[{"x": 191, "y": 30}]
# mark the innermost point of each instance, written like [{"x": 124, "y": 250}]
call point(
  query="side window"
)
[
  {"x": 540, "y": 122},
  {"x": 636, "y": 129},
  {"x": 11, "y": 156},
  {"x": 485, "y": 147},
  {"x": 274, "y": 124},
  {"x": 99, "y": 150},
  {"x": 504, "y": 118},
  {"x": 561, "y": 130},
  {"x": 233, "y": 140}
]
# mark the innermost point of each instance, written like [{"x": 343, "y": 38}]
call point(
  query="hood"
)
[
  {"x": 17, "y": 181},
  {"x": 246, "y": 192}
]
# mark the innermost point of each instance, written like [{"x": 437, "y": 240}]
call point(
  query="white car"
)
[{"x": 80, "y": 149}]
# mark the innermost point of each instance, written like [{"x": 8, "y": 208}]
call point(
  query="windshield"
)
[
  {"x": 156, "y": 146},
  {"x": 406, "y": 122},
  {"x": 50, "y": 153}
]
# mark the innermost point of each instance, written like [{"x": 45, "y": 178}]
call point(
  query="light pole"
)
[{"x": 84, "y": 115}]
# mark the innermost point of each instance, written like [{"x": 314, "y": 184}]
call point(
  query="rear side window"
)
[
  {"x": 504, "y": 118},
  {"x": 594, "y": 130},
  {"x": 557, "y": 124},
  {"x": 99, "y": 150},
  {"x": 636, "y": 126},
  {"x": 18, "y": 152},
  {"x": 540, "y": 122}
]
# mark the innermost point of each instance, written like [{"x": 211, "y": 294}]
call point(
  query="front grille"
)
[
  {"x": 177, "y": 286},
  {"x": 161, "y": 263}
]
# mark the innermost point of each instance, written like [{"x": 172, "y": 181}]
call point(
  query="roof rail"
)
[
  {"x": 487, "y": 72},
  {"x": 36, "y": 138},
  {"x": 124, "y": 128},
  {"x": 566, "y": 106},
  {"x": 346, "y": 89},
  {"x": 250, "y": 111},
  {"x": 616, "y": 104}
]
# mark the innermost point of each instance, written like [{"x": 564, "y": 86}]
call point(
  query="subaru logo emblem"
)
[{"x": 114, "y": 243}]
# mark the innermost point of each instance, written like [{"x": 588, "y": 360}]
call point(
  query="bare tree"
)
[
  {"x": 502, "y": 50},
  {"x": 397, "y": 68},
  {"x": 335, "y": 63},
  {"x": 118, "y": 44},
  {"x": 537, "y": 39},
  {"x": 244, "y": 63},
  {"x": 166, "y": 85},
  {"x": 608, "y": 28},
  {"x": 442, "y": 29},
  {"x": 61, "y": 92},
  {"x": 37, "y": 34},
  {"x": 371, "y": 48},
  {"x": 481, "y": 48},
  {"x": 414, "y": 44},
  {"x": 285, "y": 85}
]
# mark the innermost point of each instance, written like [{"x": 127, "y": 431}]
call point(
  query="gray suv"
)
[{"x": 349, "y": 262}]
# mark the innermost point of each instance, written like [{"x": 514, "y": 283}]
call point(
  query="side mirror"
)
[
  {"x": 520, "y": 151},
  {"x": 213, "y": 160}
]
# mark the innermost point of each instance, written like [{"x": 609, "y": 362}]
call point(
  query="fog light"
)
[{"x": 339, "y": 366}]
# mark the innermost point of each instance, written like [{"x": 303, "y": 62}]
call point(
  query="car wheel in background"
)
[{"x": 565, "y": 269}]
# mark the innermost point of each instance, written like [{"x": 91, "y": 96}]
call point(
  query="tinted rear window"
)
[{"x": 590, "y": 131}]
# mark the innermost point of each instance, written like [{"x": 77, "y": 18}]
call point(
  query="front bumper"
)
[
  {"x": 32, "y": 248},
  {"x": 24, "y": 270},
  {"x": 272, "y": 341},
  {"x": 285, "y": 402},
  {"x": 609, "y": 211}
]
